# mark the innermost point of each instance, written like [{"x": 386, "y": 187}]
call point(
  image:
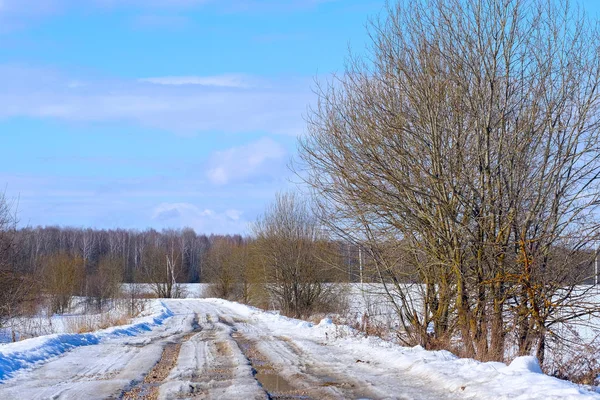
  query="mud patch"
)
[
  {"x": 148, "y": 388},
  {"x": 272, "y": 382},
  {"x": 310, "y": 383},
  {"x": 276, "y": 386}
]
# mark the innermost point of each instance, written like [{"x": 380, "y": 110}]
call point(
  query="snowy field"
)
[
  {"x": 78, "y": 319},
  {"x": 82, "y": 316},
  {"x": 220, "y": 349}
]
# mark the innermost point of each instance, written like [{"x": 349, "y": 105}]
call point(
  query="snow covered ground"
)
[
  {"x": 211, "y": 348},
  {"x": 186, "y": 290},
  {"x": 82, "y": 315},
  {"x": 79, "y": 318}
]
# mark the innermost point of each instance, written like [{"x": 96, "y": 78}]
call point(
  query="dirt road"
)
[{"x": 208, "y": 350}]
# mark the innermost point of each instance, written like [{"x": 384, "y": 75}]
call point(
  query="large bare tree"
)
[{"x": 465, "y": 145}]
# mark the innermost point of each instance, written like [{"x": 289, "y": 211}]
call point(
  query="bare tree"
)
[
  {"x": 225, "y": 268},
  {"x": 295, "y": 256},
  {"x": 466, "y": 146},
  {"x": 16, "y": 287},
  {"x": 160, "y": 270},
  {"x": 105, "y": 283},
  {"x": 63, "y": 277}
]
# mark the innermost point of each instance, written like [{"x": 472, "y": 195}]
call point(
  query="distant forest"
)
[{"x": 134, "y": 251}]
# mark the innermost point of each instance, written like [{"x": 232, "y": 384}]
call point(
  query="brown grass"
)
[{"x": 89, "y": 323}]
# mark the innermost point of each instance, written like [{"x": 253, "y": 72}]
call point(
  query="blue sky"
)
[{"x": 162, "y": 113}]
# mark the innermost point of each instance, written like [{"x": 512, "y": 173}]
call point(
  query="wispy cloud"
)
[
  {"x": 226, "y": 80},
  {"x": 201, "y": 219},
  {"x": 152, "y": 202},
  {"x": 32, "y": 7},
  {"x": 205, "y": 104},
  {"x": 262, "y": 158},
  {"x": 24, "y": 7}
]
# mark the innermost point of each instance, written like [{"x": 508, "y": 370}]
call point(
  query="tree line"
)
[
  {"x": 133, "y": 249},
  {"x": 285, "y": 264}
]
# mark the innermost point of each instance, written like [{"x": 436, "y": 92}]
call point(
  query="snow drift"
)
[{"x": 28, "y": 353}]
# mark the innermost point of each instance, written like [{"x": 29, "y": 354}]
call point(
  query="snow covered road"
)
[{"x": 213, "y": 349}]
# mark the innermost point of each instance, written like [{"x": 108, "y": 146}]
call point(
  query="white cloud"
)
[
  {"x": 137, "y": 202},
  {"x": 217, "y": 175},
  {"x": 30, "y": 7},
  {"x": 211, "y": 104},
  {"x": 260, "y": 158},
  {"x": 234, "y": 214},
  {"x": 227, "y": 80},
  {"x": 202, "y": 220},
  {"x": 171, "y": 210}
]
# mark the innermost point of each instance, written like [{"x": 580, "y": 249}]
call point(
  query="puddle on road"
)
[
  {"x": 275, "y": 385},
  {"x": 196, "y": 323},
  {"x": 330, "y": 381},
  {"x": 272, "y": 382},
  {"x": 327, "y": 381}
]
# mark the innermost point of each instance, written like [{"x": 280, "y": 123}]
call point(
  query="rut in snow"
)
[{"x": 149, "y": 387}]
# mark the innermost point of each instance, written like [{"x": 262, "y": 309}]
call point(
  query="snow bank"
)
[
  {"x": 525, "y": 364},
  {"x": 522, "y": 379},
  {"x": 27, "y": 353}
]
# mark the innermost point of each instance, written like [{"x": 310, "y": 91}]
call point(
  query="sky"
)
[{"x": 163, "y": 113}]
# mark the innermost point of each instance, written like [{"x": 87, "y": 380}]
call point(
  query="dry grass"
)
[
  {"x": 90, "y": 323},
  {"x": 573, "y": 357}
]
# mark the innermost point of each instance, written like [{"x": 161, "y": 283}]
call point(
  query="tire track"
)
[
  {"x": 148, "y": 389},
  {"x": 212, "y": 366},
  {"x": 279, "y": 379},
  {"x": 287, "y": 372}
]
